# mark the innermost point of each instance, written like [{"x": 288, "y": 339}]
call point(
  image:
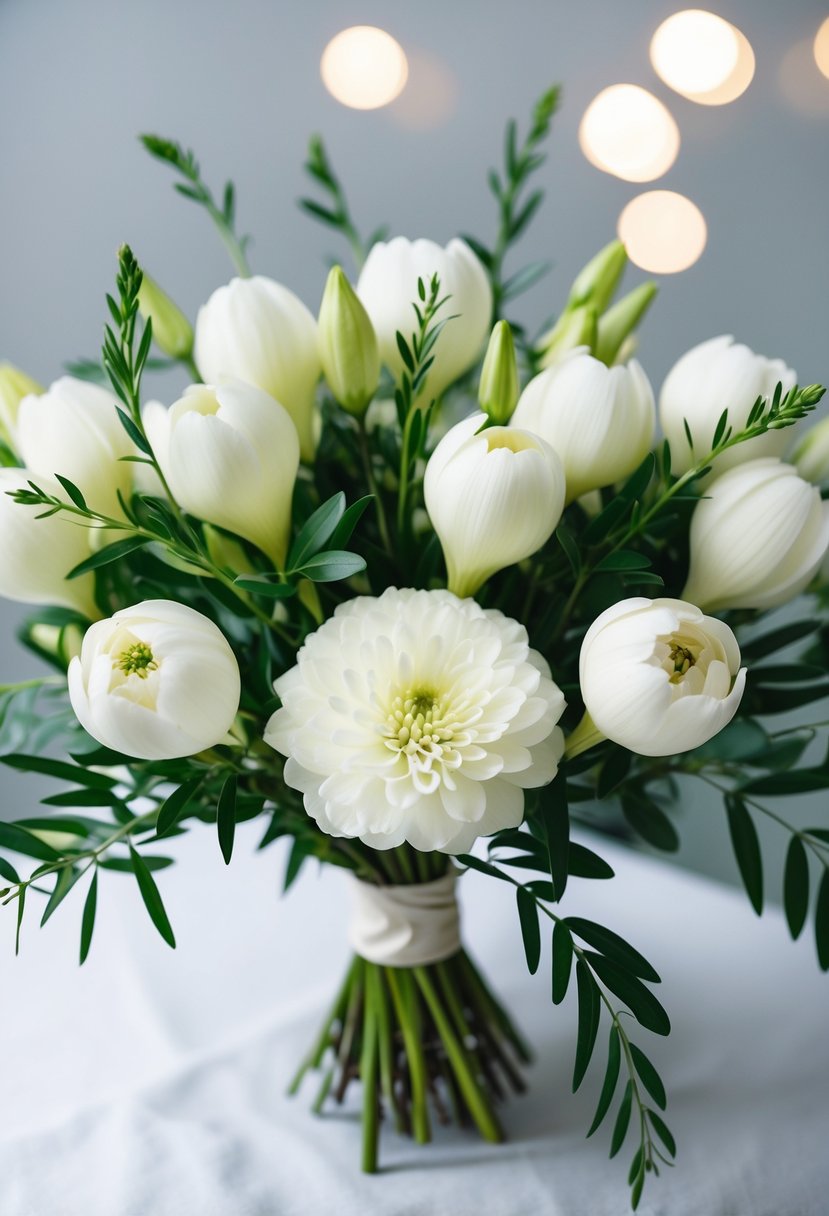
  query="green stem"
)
[
  {"x": 371, "y": 480},
  {"x": 368, "y": 1072},
  {"x": 404, "y": 995},
  {"x": 323, "y": 1041}
]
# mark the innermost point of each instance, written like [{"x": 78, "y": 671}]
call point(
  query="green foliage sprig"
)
[{"x": 335, "y": 213}]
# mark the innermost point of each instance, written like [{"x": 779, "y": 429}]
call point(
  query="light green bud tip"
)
[
  {"x": 498, "y": 389},
  {"x": 14, "y": 386},
  {"x": 619, "y": 322},
  {"x": 575, "y": 327},
  {"x": 172, "y": 332},
  {"x": 348, "y": 345},
  {"x": 597, "y": 282}
]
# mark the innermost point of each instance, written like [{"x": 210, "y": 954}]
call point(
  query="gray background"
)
[{"x": 240, "y": 83}]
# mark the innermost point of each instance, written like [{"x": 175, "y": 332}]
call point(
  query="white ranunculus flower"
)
[
  {"x": 73, "y": 429},
  {"x": 717, "y": 375},
  {"x": 230, "y": 455},
  {"x": 388, "y": 288},
  {"x": 417, "y": 717},
  {"x": 37, "y": 554},
  {"x": 757, "y": 538},
  {"x": 658, "y": 677},
  {"x": 811, "y": 455},
  {"x": 155, "y": 681},
  {"x": 494, "y": 497},
  {"x": 600, "y": 420},
  {"x": 258, "y": 331}
]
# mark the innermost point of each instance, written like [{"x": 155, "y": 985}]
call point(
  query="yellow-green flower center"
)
[
  {"x": 137, "y": 660},
  {"x": 418, "y": 721},
  {"x": 682, "y": 660}
]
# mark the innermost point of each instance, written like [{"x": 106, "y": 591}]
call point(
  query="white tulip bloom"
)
[
  {"x": 717, "y": 375},
  {"x": 14, "y": 386},
  {"x": 258, "y": 331},
  {"x": 155, "y": 681},
  {"x": 494, "y": 497},
  {"x": 600, "y": 420},
  {"x": 417, "y": 717},
  {"x": 757, "y": 538},
  {"x": 388, "y": 288},
  {"x": 37, "y": 554},
  {"x": 811, "y": 455},
  {"x": 658, "y": 677},
  {"x": 230, "y": 455},
  {"x": 73, "y": 429}
]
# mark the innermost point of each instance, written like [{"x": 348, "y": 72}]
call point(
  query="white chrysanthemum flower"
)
[{"x": 417, "y": 717}]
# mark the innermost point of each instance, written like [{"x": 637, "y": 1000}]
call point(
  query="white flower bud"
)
[
  {"x": 388, "y": 288},
  {"x": 493, "y": 496},
  {"x": 14, "y": 386},
  {"x": 658, "y": 677},
  {"x": 757, "y": 538},
  {"x": 498, "y": 387},
  {"x": 811, "y": 455},
  {"x": 575, "y": 330},
  {"x": 172, "y": 332},
  {"x": 348, "y": 345},
  {"x": 600, "y": 420},
  {"x": 39, "y": 553},
  {"x": 258, "y": 331},
  {"x": 74, "y": 429},
  {"x": 230, "y": 455},
  {"x": 717, "y": 375},
  {"x": 155, "y": 681}
]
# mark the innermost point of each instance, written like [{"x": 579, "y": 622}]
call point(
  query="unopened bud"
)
[
  {"x": 575, "y": 327},
  {"x": 597, "y": 282},
  {"x": 619, "y": 322},
  {"x": 348, "y": 345},
  {"x": 172, "y": 332},
  {"x": 498, "y": 389}
]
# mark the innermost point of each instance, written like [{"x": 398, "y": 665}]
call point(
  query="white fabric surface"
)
[
  {"x": 151, "y": 1082},
  {"x": 405, "y": 926}
]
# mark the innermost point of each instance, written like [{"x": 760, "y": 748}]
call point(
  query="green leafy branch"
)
[
  {"x": 335, "y": 213},
  {"x": 516, "y": 212},
  {"x": 193, "y": 187}
]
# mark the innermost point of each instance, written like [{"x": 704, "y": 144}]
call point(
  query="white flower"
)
[
  {"x": 599, "y": 419},
  {"x": 230, "y": 455},
  {"x": 37, "y": 554},
  {"x": 155, "y": 681},
  {"x": 14, "y": 386},
  {"x": 417, "y": 717},
  {"x": 811, "y": 455},
  {"x": 717, "y": 375},
  {"x": 74, "y": 429},
  {"x": 258, "y": 331},
  {"x": 388, "y": 288},
  {"x": 757, "y": 538},
  {"x": 658, "y": 677},
  {"x": 493, "y": 496}
]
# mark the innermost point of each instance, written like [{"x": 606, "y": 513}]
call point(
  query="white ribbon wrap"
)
[{"x": 406, "y": 926}]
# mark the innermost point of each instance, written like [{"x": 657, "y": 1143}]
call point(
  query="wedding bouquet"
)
[{"x": 360, "y": 586}]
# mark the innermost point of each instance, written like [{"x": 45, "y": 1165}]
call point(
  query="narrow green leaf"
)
[
  {"x": 405, "y": 353},
  {"x": 769, "y": 643},
  {"x": 88, "y": 917},
  {"x": 21, "y": 904},
  {"x": 620, "y": 1128},
  {"x": 555, "y": 817},
  {"x": 530, "y": 931},
  {"x": 746, "y": 847},
  {"x": 81, "y": 797},
  {"x": 265, "y": 585},
  {"x": 296, "y": 860},
  {"x": 822, "y": 922},
  {"x": 571, "y": 549},
  {"x": 152, "y": 899},
  {"x": 8, "y": 871},
  {"x": 342, "y": 533},
  {"x": 640, "y": 1000},
  {"x": 331, "y": 566},
  {"x": 20, "y": 841},
  {"x": 110, "y": 553},
  {"x": 798, "y": 781},
  {"x": 796, "y": 886},
  {"x": 317, "y": 530},
  {"x": 226, "y": 817},
  {"x": 173, "y": 807},
  {"x": 624, "y": 559},
  {"x": 132, "y": 430},
  {"x": 588, "y": 1024},
  {"x": 562, "y": 961},
  {"x": 611, "y": 1076},
  {"x": 613, "y": 771},
  {"x": 636, "y": 1165},
  {"x": 614, "y": 946},
  {"x": 584, "y": 863},
  {"x": 651, "y": 822},
  {"x": 59, "y": 769},
  {"x": 483, "y": 867},
  {"x": 123, "y": 865},
  {"x": 649, "y": 1076},
  {"x": 661, "y": 1129},
  {"x": 72, "y": 490}
]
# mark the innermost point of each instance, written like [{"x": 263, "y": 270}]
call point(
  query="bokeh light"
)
[
  {"x": 663, "y": 232},
  {"x": 431, "y": 95},
  {"x": 628, "y": 132},
  {"x": 801, "y": 82},
  {"x": 364, "y": 67},
  {"x": 822, "y": 48},
  {"x": 702, "y": 57}
]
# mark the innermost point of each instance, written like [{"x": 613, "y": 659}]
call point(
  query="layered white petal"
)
[{"x": 417, "y": 717}]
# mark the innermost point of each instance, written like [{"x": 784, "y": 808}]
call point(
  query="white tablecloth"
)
[{"x": 151, "y": 1082}]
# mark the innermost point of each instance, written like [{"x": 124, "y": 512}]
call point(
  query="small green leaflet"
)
[
  {"x": 226, "y": 817},
  {"x": 88, "y": 918},
  {"x": 530, "y": 932},
  {"x": 151, "y": 898}
]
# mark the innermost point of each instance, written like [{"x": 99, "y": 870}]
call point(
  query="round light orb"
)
[
  {"x": 822, "y": 48},
  {"x": 628, "y": 132},
  {"x": 663, "y": 232},
  {"x": 702, "y": 57},
  {"x": 364, "y": 67}
]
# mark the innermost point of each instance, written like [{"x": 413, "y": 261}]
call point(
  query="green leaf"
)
[
  {"x": 21, "y": 904},
  {"x": 226, "y": 817},
  {"x": 151, "y": 898},
  {"x": 797, "y": 781},
  {"x": 796, "y": 886},
  {"x": 64, "y": 882},
  {"x": 662, "y": 1132},
  {"x": 81, "y": 797},
  {"x": 584, "y": 863},
  {"x": 620, "y": 1128},
  {"x": 624, "y": 559},
  {"x": 746, "y": 847},
  {"x": 131, "y": 429},
  {"x": 822, "y": 922},
  {"x": 555, "y": 818},
  {"x": 611, "y": 1076},
  {"x": 173, "y": 807},
  {"x": 123, "y": 865},
  {"x": 562, "y": 961},
  {"x": 317, "y": 530},
  {"x": 740, "y": 740},
  {"x": 483, "y": 867},
  {"x": 331, "y": 566},
  {"x": 20, "y": 841},
  {"x": 775, "y": 699},
  {"x": 55, "y": 823},
  {"x": 88, "y": 917},
  {"x": 296, "y": 860},
  {"x": 73, "y": 492},
  {"x": 110, "y": 553},
  {"x": 613, "y": 771},
  {"x": 588, "y": 1025},
  {"x": 8, "y": 871},
  {"x": 787, "y": 673},
  {"x": 649, "y": 1076},
  {"x": 614, "y": 946},
  {"x": 342, "y": 533},
  {"x": 530, "y": 931},
  {"x": 640, "y": 1000},
  {"x": 651, "y": 822},
  {"x": 265, "y": 585},
  {"x": 571, "y": 549},
  {"x": 769, "y": 643},
  {"x": 59, "y": 769}
]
